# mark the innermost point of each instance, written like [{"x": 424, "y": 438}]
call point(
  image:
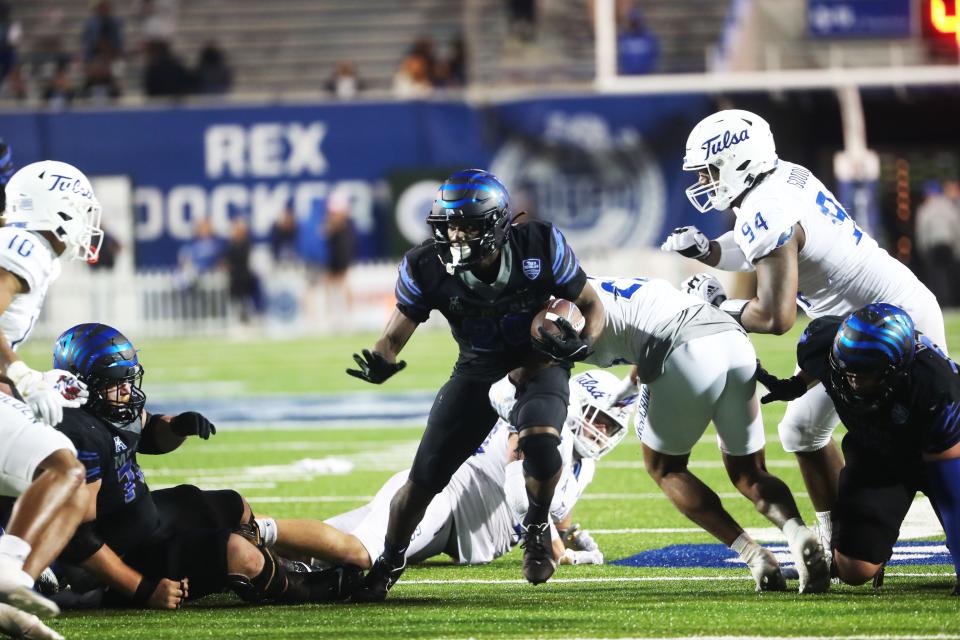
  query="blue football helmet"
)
[
  {"x": 878, "y": 339},
  {"x": 107, "y": 361},
  {"x": 476, "y": 201}
]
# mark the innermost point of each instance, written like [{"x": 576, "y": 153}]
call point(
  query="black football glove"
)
[
  {"x": 780, "y": 389},
  {"x": 568, "y": 347},
  {"x": 374, "y": 367},
  {"x": 192, "y": 423}
]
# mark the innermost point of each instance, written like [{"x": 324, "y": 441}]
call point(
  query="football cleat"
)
[
  {"x": 538, "y": 561},
  {"x": 27, "y": 599},
  {"x": 766, "y": 570},
  {"x": 878, "y": 576},
  {"x": 378, "y": 581},
  {"x": 20, "y": 624},
  {"x": 811, "y": 562}
]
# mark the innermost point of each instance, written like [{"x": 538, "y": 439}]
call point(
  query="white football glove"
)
[
  {"x": 704, "y": 285},
  {"x": 688, "y": 242},
  {"x": 73, "y": 390},
  {"x": 581, "y": 557},
  {"x": 579, "y": 539},
  {"x": 47, "y": 393}
]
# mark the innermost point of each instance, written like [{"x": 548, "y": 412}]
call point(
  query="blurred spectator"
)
[
  {"x": 10, "y": 33},
  {"x": 213, "y": 75},
  {"x": 49, "y": 52},
  {"x": 58, "y": 91},
  {"x": 457, "y": 63},
  {"x": 100, "y": 85},
  {"x": 413, "y": 79},
  {"x": 164, "y": 74},
  {"x": 938, "y": 242},
  {"x": 283, "y": 237},
  {"x": 109, "y": 249},
  {"x": 637, "y": 47},
  {"x": 341, "y": 247},
  {"x": 201, "y": 254},
  {"x": 245, "y": 293},
  {"x": 523, "y": 19},
  {"x": 158, "y": 20},
  {"x": 102, "y": 34},
  {"x": 344, "y": 82}
]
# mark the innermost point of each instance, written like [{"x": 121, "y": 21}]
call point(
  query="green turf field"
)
[{"x": 444, "y": 600}]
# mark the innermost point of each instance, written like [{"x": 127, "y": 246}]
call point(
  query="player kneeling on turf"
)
[
  {"x": 156, "y": 549},
  {"x": 899, "y": 397}
]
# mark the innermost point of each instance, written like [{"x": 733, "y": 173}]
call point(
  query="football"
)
[{"x": 556, "y": 308}]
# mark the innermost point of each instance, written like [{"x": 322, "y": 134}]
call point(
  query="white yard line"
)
[{"x": 715, "y": 578}]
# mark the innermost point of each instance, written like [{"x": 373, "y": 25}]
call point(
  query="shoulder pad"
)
[{"x": 23, "y": 255}]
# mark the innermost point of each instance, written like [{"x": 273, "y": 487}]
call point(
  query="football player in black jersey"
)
[
  {"x": 488, "y": 277},
  {"x": 156, "y": 549},
  {"x": 899, "y": 397}
]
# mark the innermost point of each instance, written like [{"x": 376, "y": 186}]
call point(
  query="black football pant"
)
[{"x": 462, "y": 417}]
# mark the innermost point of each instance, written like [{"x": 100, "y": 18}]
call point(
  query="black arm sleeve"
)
[
  {"x": 569, "y": 279},
  {"x": 813, "y": 350},
  {"x": 410, "y": 298},
  {"x": 149, "y": 443}
]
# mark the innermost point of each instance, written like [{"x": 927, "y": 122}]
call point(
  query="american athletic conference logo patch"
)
[{"x": 531, "y": 268}]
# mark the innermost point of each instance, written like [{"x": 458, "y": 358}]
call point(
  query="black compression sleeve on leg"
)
[
  {"x": 541, "y": 457},
  {"x": 270, "y": 584}
]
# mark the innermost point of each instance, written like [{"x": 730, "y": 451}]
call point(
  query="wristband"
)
[
  {"x": 144, "y": 590},
  {"x": 735, "y": 308}
]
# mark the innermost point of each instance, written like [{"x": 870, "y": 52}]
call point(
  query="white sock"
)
[
  {"x": 826, "y": 522},
  {"x": 744, "y": 546},
  {"x": 268, "y": 531},
  {"x": 15, "y": 550},
  {"x": 792, "y": 527}
]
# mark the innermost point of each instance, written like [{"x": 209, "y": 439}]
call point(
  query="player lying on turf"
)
[
  {"x": 488, "y": 277},
  {"x": 477, "y": 517},
  {"x": 696, "y": 364},
  {"x": 156, "y": 549},
  {"x": 806, "y": 251},
  {"x": 899, "y": 397}
]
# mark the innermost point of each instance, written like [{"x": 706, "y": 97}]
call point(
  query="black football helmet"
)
[
  {"x": 877, "y": 339},
  {"x": 476, "y": 201},
  {"x": 106, "y": 360}
]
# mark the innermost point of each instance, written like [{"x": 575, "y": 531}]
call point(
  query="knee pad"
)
[
  {"x": 270, "y": 584},
  {"x": 797, "y": 438},
  {"x": 541, "y": 457}
]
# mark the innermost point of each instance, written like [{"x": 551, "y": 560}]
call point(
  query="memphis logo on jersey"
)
[
  {"x": 531, "y": 268},
  {"x": 719, "y": 556},
  {"x": 118, "y": 445}
]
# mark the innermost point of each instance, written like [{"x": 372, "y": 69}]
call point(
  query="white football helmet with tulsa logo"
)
[
  {"x": 733, "y": 148},
  {"x": 597, "y": 422},
  {"x": 56, "y": 197}
]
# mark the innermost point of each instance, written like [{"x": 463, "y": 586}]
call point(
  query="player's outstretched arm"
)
[
  {"x": 592, "y": 309},
  {"x": 163, "y": 434},
  {"x": 380, "y": 364}
]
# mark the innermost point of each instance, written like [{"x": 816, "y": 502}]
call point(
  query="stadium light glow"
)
[{"x": 942, "y": 22}]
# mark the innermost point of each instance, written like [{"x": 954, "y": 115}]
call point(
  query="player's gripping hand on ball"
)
[
  {"x": 374, "y": 367},
  {"x": 567, "y": 347}
]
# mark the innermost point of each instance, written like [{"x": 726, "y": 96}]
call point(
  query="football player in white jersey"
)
[
  {"x": 806, "y": 250},
  {"x": 51, "y": 213},
  {"x": 695, "y": 364},
  {"x": 476, "y": 518}
]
